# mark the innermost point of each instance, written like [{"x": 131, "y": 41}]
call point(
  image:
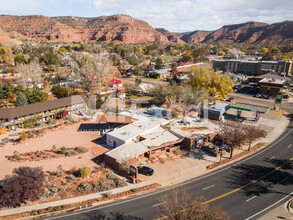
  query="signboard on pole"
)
[{"x": 278, "y": 99}]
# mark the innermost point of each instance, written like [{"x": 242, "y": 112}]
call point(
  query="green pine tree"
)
[{"x": 21, "y": 100}]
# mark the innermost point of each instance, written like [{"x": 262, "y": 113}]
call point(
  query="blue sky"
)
[{"x": 174, "y": 15}]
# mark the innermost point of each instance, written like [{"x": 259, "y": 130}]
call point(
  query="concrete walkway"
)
[
  {"x": 180, "y": 177},
  {"x": 279, "y": 212}
]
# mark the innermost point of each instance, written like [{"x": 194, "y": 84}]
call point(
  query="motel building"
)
[{"x": 13, "y": 118}]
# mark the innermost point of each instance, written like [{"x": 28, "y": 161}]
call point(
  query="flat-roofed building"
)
[{"x": 254, "y": 67}]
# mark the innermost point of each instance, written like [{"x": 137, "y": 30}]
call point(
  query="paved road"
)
[{"x": 224, "y": 187}]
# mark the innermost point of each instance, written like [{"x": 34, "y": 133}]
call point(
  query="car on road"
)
[
  {"x": 228, "y": 99},
  {"x": 145, "y": 170}
]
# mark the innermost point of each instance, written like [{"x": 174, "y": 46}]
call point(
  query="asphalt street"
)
[{"x": 245, "y": 189}]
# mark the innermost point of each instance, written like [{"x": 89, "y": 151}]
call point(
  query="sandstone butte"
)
[{"x": 125, "y": 29}]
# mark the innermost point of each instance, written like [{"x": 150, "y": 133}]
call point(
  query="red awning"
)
[{"x": 114, "y": 81}]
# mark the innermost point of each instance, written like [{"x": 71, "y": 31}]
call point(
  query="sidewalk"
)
[
  {"x": 197, "y": 167},
  {"x": 279, "y": 212}
]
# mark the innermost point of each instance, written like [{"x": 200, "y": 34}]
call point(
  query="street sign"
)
[{"x": 278, "y": 99}]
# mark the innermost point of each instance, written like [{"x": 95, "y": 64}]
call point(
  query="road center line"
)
[
  {"x": 284, "y": 179},
  {"x": 289, "y": 145},
  {"x": 272, "y": 157},
  {"x": 248, "y": 184},
  {"x": 159, "y": 204},
  {"x": 250, "y": 198},
  {"x": 208, "y": 187}
]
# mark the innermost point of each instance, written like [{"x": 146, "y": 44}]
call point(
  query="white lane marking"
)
[
  {"x": 250, "y": 198},
  {"x": 208, "y": 187},
  {"x": 159, "y": 204},
  {"x": 269, "y": 206},
  {"x": 173, "y": 187},
  {"x": 289, "y": 145},
  {"x": 272, "y": 157},
  {"x": 284, "y": 179}
]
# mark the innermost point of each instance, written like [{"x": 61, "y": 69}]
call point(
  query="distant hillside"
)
[
  {"x": 171, "y": 36},
  {"x": 252, "y": 33},
  {"x": 195, "y": 37},
  {"x": 125, "y": 29}
]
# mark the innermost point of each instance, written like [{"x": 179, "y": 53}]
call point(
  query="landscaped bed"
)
[
  {"x": 47, "y": 154},
  {"x": 77, "y": 206}
]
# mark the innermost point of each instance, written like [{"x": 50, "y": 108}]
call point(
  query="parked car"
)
[
  {"x": 228, "y": 99},
  {"x": 258, "y": 96},
  {"x": 145, "y": 170},
  {"x": 265, "y": 96}
]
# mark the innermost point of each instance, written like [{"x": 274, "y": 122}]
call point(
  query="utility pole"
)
[{"x": 221, "y": 155}]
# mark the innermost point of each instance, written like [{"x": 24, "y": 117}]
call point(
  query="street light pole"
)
[{"x": 221, "y": 155}]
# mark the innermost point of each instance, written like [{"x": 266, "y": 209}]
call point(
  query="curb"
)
[{"x": 289, "y": 208}]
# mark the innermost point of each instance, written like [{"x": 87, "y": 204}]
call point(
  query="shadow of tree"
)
[
  {"x": 265, "y": 176},
  {"x": 99, "y": 215}
]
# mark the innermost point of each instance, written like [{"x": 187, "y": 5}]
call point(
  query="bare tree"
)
[
  {"x": 104, "y": 68},
  {"x": 252, "y": 133},
  {"x": 178, "y": 205},
  {"x": 234, "y": 135},
  {"x": 31, "y": 73}
]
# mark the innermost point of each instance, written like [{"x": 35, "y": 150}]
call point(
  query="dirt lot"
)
[{"x": 68, "y": 137}]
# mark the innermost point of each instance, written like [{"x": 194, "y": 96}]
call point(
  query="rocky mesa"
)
[
  {"x": 117, "y": 28},
  {"x": 125, "y": 29}
]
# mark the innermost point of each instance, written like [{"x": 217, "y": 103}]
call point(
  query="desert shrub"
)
[
  {"x": 46, "y": 193},
  {"x": 16, "y": 155},
  {"x": 23, "y": 136},
  {"x": 34, "y": 212},
  {"x": 111, "y": 176},
  {"x": 105, "y": 186},
  {"x": 63, "y": 150},
  {"x": 85, "y": 171},
  {"x": 69, "y": 153},
  {"x": 25, "y": 184},
  {"x": 108, "y": 195},
  {"x": 50, "y": 121},
  {"x": 50, "y": 209},
  {"x": 54, "y": 189},
  {"x": 54, "y": 147},
  {"x": 41, "y": 211},
  {"x": 119, "y": 182},
  {"x": 84, "y": 187},
  {"x": 60, "y": 170},
  {"x": 80, "y": 149},
  {"x": 30, "y": 135},
  {"x": 57, "y": 208},
  {"x": 134, "y": 190},
  {"x": 4, "y": 141},
  {"x": 71, "y": 178},
  {"x": 46, "y": 156}
]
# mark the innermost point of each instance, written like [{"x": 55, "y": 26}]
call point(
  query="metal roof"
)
[{"x": 6, "y": 113}]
